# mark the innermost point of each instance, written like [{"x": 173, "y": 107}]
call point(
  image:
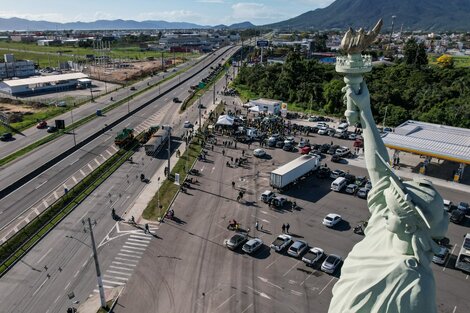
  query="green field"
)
[{"x": 50, "y": 56}]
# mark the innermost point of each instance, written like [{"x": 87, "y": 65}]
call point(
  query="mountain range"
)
[
  {"x": 430, "y": 15},
  {"x": 23, "y": 24}
]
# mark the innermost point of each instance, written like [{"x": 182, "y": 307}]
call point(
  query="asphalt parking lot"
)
[{"x": 191, "y": 270}]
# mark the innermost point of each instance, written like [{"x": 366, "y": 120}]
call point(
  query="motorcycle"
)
[
  {"x": 233, "y": 226},
  {"x": 193, "y": 171},
  {"x": 359, "y": 228}
]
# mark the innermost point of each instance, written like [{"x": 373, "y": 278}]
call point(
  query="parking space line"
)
[
  {"x": 212, "y": 239},
  {"x": 45, "y": 203},
  {"x": 36, "y": 211},
  {"x": 110, "y": 154},
  {"x": 97, "y": 162},
  {"x": 332, "y": 278},
  {"x": 74, "y": 179},
  {"x": 90, "y": 167},
  {"x": 82, "y": 172},
  {"x": 265, "y": 280},
  {"x": 261, "y": 219},
  {"x": 314, "y": 271},
  {"x": 272, "y": 263},
  {"x": 225, "y": 302},
  {"x": 267, "y": 213},
  {"x": 297, "y": 293},
  {"x": 448, "y": 259},
  {"x": 297, "y": 263},
  {"x": 246, "y": 309},
  {"x": 115, "y": 149},
  {"x": 455, "y": 309},
  {"x": 65, "y": 186},
  {"x": 55, "y": 195}
]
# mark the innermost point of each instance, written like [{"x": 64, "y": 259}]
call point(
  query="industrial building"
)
[
  {"x": 432, "y": 141},
  {"x": 41, "y": 84},
  {"x": 11, "y": 68}
]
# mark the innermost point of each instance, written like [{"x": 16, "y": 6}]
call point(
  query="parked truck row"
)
[
  {"x": 287, "y": 174},
  {"x": 157, "y": 140}
]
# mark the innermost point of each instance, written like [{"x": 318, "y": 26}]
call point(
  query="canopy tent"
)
[
  {"x": 225, "y": 120},
  {"x": 254, "y": 109},
  {"x": 248, "y": 105}
]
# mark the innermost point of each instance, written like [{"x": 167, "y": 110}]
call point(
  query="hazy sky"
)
[{"x": 205, "y": 12}]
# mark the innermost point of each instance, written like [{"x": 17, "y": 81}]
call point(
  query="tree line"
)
[{"x": 408, "y": 89}]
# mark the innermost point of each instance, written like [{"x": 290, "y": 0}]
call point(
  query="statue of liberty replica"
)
[{"x": 389, "y": 270}]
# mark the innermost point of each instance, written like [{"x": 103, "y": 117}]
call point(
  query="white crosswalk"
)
[{"x": 126, "y": 260}]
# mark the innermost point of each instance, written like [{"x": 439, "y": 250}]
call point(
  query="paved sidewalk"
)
[{"x": 93, "y": 304}]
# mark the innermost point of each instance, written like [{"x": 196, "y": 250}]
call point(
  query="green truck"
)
[{"x": 124, "y": 137}]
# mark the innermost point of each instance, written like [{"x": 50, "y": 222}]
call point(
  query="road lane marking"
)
[
  {"x": 55, "y": 195},
  {"x": 90, "y": 167},
  {"x": 130, "y": 255},
  {"x": 67, "y": 286},
  {"x": 40, "y": 287},
  {"x": 110, "y": 154},
  {"x": 76, "y": 274},
  {"x": 455, "y": 309},
  {"x": 124, "y": 250},
  {"x": 124, "y": 259},
  {"x": 74, "y": 179},
  {"x": 139, "y": 240},
  {"x": 39, "y": 186},
  {"x": 448, "y": 258},
  {"x": 116, "y": 277},
  {"x": 267, "y": 213},
  {"x": 136, "y": 244},
  {"x": 45, "y": 254},
  {"x": 246, "y": 309},
  {"x": 65, "y": 186},
  {"x": 265, "y": 280},
  {"x": 57, "y": 299},
  {"x": 141, "y": 236},
  {"x": 82, "y": 172},
  {"x": 122, "y": 268},
  {"x": 296, "y": 293},
  {"x": 122, "y": 263},
  {"x": 297, "y": 263},
  {"x": 97, "y": 162},
  {"x": 120, "y": 273},
  {"x": 326, "y": 285},
  {"x": 225, "y": 302},
  {"x": 301, "y": 284},
  {"x": 262, "y": 294},
  {"x": 45, "y": 203}
]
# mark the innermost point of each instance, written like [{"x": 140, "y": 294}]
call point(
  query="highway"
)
[
  {"x": 33, "y": 134},
  {"x": 50, "y": 184},
  {"x": 27, "y": 288}
]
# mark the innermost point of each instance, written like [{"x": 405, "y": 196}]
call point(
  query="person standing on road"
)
[
  {"x": 147, "y": 230},
  {"x": 256, "y": 225},
  {"x": 283, "y": 228},
  {"x": 233, "y": 184},
  {"x": 287, "y": 228},
  {"x": 223, "y": 152}
]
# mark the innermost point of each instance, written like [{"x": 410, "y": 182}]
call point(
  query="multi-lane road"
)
[
  {"x": 61, "y": 262},
  {"x": 23, "y": 204}
]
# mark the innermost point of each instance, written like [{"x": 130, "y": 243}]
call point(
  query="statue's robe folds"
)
[{"x": 375, "y": 278}]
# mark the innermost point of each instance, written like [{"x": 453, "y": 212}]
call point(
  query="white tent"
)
[
  {"x": 254, "y": 109},
  {"x": 225, "y": 120},
  {"x": 248, "y": 105}
]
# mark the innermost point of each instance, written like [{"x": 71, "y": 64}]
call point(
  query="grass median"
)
[{"x": 18, "y": 245}]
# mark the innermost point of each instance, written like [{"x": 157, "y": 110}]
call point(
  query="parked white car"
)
[
  {"x": 342, "y": 151},
  {"x": 281, "y": 242},
  {"x": 252, "y": 245},
  {"x": 313, "y": 256},
  {"x": 297, "y": 248},
  {"x": 331, "y": 263},
  {"x": 331, "y": 219},
  {"x": 259, "y": 153}
]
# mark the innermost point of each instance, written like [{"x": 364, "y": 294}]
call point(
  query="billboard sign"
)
[{"x": 262, "y": 43}]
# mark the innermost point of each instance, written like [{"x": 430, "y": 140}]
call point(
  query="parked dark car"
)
[
  {"x": 280, "y": 144},
  {"x": 323, "y": 172},
  {"x": 335, "y": 158},
  {"x": 288, "y": 147},
  {"x": 324, "y": 148},
  {"x": 350, "y": 178},
  {"x": 6, "y": 137},
  {"x": 457, "y": 216},
  {"x": 332, "y": 149}
]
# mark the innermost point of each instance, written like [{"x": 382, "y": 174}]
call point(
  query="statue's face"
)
[{"x": 395, "y": 222}]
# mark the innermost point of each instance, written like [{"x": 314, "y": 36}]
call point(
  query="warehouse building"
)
[{"x": 41, "y": 84}]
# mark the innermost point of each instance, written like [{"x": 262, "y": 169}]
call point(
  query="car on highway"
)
[
  {"x": 236, "y": 240},
  {"x": 252, "y": 245},
  {"x": 41, "y": 125},
  {"x": 305, "y": 150},
  {"x": 441, "y": 257},
  {"x": 281, "y": 242},
  {"x": 133, "y": 88},
  {"x": 351, "y": 189},
  {"x": 363, "y": 192},
  {"x": 6, "y": 137},
  {"x": 259, "y": 153},
  {"x": 176, "y": 100},
  {"x": 337, "y": 173},
  {"x": 187, "y": 124},
  {"x": 51, "y": 129},
  {"x": 331, "y": 220},
  {"x": 297, "y": 248},
  {"x": 457, "y": 216},
  {"x": 464, "y": 207},
  {"x": 331, "y": 263},
  {"x": 312, "y": 256}
]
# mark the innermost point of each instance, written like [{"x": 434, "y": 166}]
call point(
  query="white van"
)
[
  {"x": 338, "y": 184},
  {"x": 342, "y": 127}
]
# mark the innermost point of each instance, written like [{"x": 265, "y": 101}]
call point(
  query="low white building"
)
[
  {"x": 41, "y": 84},
  {"x": 267, "y": 105}
]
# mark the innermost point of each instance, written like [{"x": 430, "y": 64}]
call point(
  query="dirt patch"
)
[
  {"x": 122, "y": 72},
  {"x": 17, "y": 108}
]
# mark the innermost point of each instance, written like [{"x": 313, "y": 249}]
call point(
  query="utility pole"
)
[
  {"x": 163, "y": 64},
  {"x": 73, "y": 129},
  {"x": 169, "y": 150},
  {"x": 199, "y": 106},
  {"x": 97, "y": 265},
  {"x": 213, "y": 96}
]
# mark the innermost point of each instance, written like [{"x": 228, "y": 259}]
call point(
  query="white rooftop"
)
[
  {"x": 263, "y": 101},
  {"x": 43, "y": 79},
  {"x": 439, "y": 141}
]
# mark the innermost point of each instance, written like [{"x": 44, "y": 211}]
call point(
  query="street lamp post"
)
[{"x": 73, "y": 129}]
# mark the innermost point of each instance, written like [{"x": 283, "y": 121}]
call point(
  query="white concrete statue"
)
[{"x": 389, "y": 270}]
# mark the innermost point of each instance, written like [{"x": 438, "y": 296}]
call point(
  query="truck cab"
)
[{"x": 267, "y": 196}]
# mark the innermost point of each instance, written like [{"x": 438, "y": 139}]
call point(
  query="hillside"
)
[{"x": 431, "y": 15}]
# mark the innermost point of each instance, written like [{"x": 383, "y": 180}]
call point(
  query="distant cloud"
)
[
  {"x": 171, "y": 16},
  {"x": 210, "y": 1},
  {"x": 254, "y": 12}
]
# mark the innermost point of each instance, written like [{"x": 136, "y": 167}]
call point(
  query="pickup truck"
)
[
  {"x": 313, "y": 255},
  {"x": 281, "y": 242}
]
